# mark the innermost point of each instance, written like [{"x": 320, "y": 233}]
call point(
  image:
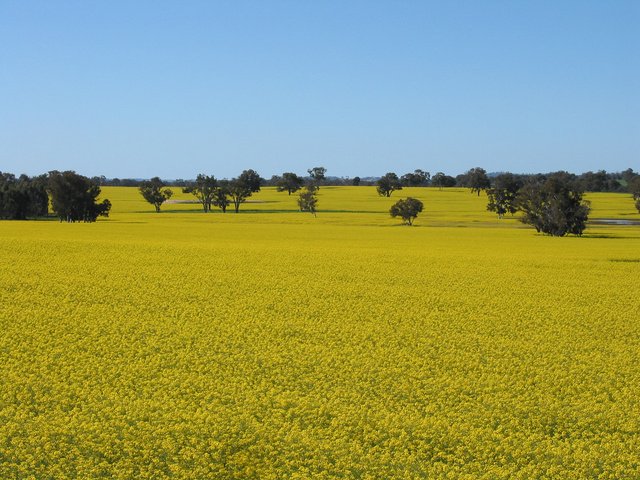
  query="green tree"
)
[
  {"x": 503, "y": 194},
  {"x": 23, "y": 197},
  {"x": 221, "y": 196},
  {"x": 554, "y": 205},
  {"x": 153, "y": 191},
  {"x": 477, "y": 180},
  {"x": 242, "y": 187},
  {"x": 441, "y": 180},
  {"x": 633, "y": 184},
  {"x": 289, "y": 182},
  {"x": 74, "y": 197},
  {"x": 419, "y": 178},
  {"x": 408, "y": 209},
  {"x": 356, "y": 181},
  {"x": 317, "y": 175},
  {"x": 387, "y": 184},
  {"x": 204, "y": 189},
  {"x": 308, "y": 200}
]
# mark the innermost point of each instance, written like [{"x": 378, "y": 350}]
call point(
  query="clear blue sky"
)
[{"x": 145, "y": 88}]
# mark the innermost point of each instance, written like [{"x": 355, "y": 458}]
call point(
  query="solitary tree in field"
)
[
  {"x": 74, "y": 197},
  {"x": 308, "y": 200},
  {"x": 503, "y": 195},
  {"x": 477, "y": 180},
  {"x": 408, "y": 209},
  {"x": 317, "y": 175},
  {"x": 242, "y": 187},
  {"x": 153, "y": 191},
  {"x": 554, "y": 205},
  {"x": 355, "y": 181},
  {"x": 289, "y": 182},
  {"x": 387, "y": 184},
  {"x": 204, "y": 189}
]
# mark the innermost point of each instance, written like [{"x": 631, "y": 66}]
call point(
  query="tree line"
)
[
  {"x": 211, "y": 192},
  {"x": 599, "y": 181},
  {"x": 72, "y": 197},
  {"x": 552, "y": 203}
]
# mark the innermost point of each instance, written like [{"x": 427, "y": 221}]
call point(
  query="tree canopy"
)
[
  {"x": 289, "y": 182},
  {"x": 242, "y": 187},
  {"x": 153, "y": 191},
  {"x": 503, "y": 194},
  {"x": 204, "y": 189},
  {"x": 74, "y": 197},
  {"x": 441, "y": 180},
  {"x": 387, "y": 184},
  {"x": 407, "y": 209},
  {"x": 221, "y": 195},
  {"x": 634, "y": 187},
  {"x": 476, "y": 180},
  {"x": 308, "y": 200},
  {"x": 554, "y": 205},
  {"x": 23, "y": 197},
  {"x": 419, "y": 178},
  {"x": 317, "y": 175}
]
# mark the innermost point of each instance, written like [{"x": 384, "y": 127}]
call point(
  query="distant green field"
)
[{"x": 274, "y": 344}]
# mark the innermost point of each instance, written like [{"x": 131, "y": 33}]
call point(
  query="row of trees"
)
[
  {"x": 207, "y": 189},
  {"x": 73, "y": 197},
  {"x": 553, "y": 204},
  {"x": 23, "y": 197},
  {"x": 600, "y": 181},
  {"x": 211, "y": 192},
  {"x": 477, "y": 179}
]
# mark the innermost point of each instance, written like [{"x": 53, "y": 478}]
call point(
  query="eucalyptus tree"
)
[
  {"x": 23, "y": 197},
  {"x": 554, "y": 205},
  {"x": 387, "y": 184},
  {"x": 289, "y": 182},
  {"x": 317, "y": 175},
  {"x": 477, "y": 180},
  {"x": 242, "y": 187},
  {"x": 503, "y": 194},
  {"x": 204, "y": 189},
  {"x": 74, "y": 197},
  {"x": 419, "y": 178},
  {"x": 308, "y": 200},
  {"x": 154, "y": 192},
  {"x": 408, "y": 209}
]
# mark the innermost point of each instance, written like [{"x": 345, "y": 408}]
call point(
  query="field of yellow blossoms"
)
[{"x": 271, "y": 344}]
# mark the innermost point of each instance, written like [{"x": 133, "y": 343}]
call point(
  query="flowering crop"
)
[{"x": 272, "y": 344}]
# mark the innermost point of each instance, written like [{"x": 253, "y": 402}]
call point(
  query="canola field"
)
[{"x": 271, "y": 344}]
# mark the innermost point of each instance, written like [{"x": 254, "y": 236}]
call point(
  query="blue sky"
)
[{"x": 145, "y": 88}]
